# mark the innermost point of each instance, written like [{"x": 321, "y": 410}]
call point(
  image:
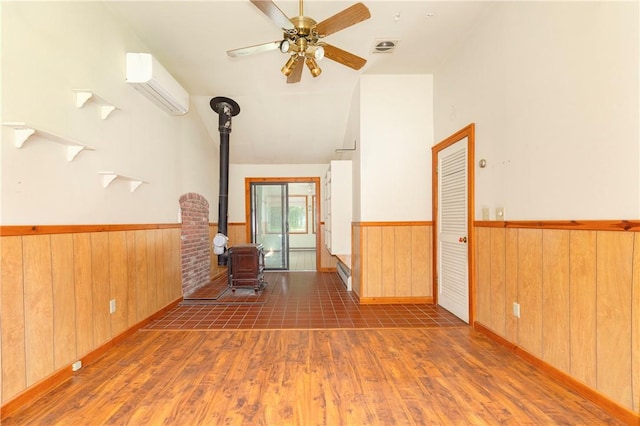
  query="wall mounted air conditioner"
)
[{"x": 150, "y": 78}]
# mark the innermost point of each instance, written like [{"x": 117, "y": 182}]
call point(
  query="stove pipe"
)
[{"x": 226, "y": 108}]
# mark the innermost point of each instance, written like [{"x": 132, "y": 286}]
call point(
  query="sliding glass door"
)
[{"x": 269, "y": 222}]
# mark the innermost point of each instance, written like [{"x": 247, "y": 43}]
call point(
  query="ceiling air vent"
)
[{"x": 384, "y": 46}]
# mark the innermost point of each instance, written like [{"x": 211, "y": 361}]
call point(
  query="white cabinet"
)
[{"x": 338, "y": 207}]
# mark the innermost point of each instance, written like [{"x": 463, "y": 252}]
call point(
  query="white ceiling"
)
[{"x": 282, "y": 123}]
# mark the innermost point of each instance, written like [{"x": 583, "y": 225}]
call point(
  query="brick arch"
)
[{"x": 195, "y": 250}]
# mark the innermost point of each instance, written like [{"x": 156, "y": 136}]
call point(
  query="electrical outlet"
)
[
  {"x": 76, "y": 365},
  {"x": 112, "y": 306},
  {"x": 499, "y": 213},
  {"x": 516, "y": 309},
  {"x": 485, "y": 213}
]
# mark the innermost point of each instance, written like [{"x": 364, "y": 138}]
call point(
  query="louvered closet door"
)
[{"x": 453, "y": 280}]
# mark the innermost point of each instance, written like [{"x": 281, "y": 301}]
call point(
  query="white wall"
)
[
  {"x": 553, "y": 90},
  {"x": 396, "y": 127},
  {"x": 238, "y": 173},
  {"x": 352, "y": 139},
  {"x": 49, "y": 49}
]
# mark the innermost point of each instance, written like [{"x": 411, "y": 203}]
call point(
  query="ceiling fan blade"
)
[
  {"x": 296, "y": 75},
  {"x": 343, "y": 57},
  {"x": 341, "y": 20},
  {"x": 274, "y": 13},
  {"x": 249, "y": 50}
]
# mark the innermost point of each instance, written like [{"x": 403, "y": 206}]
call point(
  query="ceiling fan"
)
[{"x": 302, "y": 39}]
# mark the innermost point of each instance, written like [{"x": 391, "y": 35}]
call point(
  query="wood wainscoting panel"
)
[
  {"x": 38, "y": 300},
  {"x": 152, "y": 271},
  {"x": 635, "y": 321},
  {"x": 132, "y": 279},
  {"x": 84, "y": 293},
  {"x": 614, "y": 280},
  {"x": 579, "y": 296},
  {"x": 530, "y": 290},
  {"x": 373, "y": 285},
  {"x": 392, "y": 262},
  {"x": 511, "y": 283},
  {"x": 64, "y": 318},
  {"x": 356, "y": 259},
  {"x": 387, "y": 251},
  {"x": 497, "y": 280},
  {"x": 118, "y": 281},
  {"x": 160, "y": 284},
  {"x": 172, "y": 268},
  {"x": 582, "y": 260},
  {"x": 144, "y": 306},
  {"x": 55, "y": 293},
  {"x": 237, "y": 233},
  {"x": 483, "y": 276},
  {"x": 168, "y": 252},
  {"x": 100, "y": 285},
  {"x": 556, "y": 325},
  {"x": 402, "y": 262},
  {"x": 421, "y": 263},
  {"x": 14, "y": 374}
]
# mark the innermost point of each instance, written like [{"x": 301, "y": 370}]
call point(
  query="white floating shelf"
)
[
  {"x": 23, "y": 131},
  {"x": 104, "y": 107},
  {"x": 108, "y": 177}
]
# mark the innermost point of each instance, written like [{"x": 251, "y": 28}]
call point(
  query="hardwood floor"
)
[
  {"x": 299, "y": 260},
  {"x": 338, "y": 376},
  {"x": 307, "y": 377},
  {"x": 302, "y": 260}
]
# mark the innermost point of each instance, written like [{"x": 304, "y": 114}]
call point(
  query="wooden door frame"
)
[
  {"x": 469, "y": 133},
  {"x": 280, "y": 180}
]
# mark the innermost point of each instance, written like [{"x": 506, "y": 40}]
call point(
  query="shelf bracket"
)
[
  {"x": 20, "y": 135},
  {"x": 134, "y": 184},
  {"x": 109, "y": 177},
  {"x": 104, "y": 107},
  {"x": 82, "y": 96},
  {"x": 105, "y": 110},
  {"x": 73, "y": 151}
]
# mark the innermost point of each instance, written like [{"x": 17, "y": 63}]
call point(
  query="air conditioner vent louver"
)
[{"x": 150, "y": 78}]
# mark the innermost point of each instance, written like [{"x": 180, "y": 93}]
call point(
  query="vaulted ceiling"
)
[{"x": 282, "y": 123}]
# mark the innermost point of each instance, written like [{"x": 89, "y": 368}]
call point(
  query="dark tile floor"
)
[{"x": 295, "y": 300}]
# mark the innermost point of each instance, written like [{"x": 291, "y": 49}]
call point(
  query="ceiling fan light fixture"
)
[
  {"x": 285, "y": 46},
  {"x": 313, "y": 67},
  {"x": 287, "y": 69},
  {"x": 315, "y": 52}
]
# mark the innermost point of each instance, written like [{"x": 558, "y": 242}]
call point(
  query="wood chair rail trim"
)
[
  {"x": 584, "y": 225},
  {"x": 20, "y": 230},
  {"x": 409, "y": 223}
]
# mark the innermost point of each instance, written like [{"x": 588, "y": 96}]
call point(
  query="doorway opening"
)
[{"x": 283, "y": 215}]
